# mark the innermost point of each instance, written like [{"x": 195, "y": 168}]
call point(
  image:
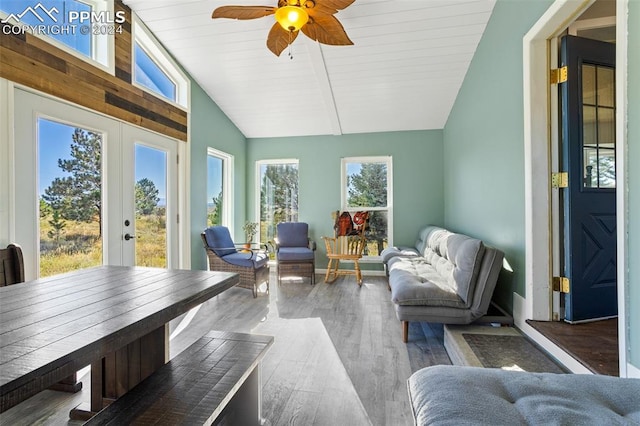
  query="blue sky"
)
[{"x": 55, "y": 143}]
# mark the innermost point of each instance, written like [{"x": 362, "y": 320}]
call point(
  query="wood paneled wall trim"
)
[{"x": 31, "y": 61}]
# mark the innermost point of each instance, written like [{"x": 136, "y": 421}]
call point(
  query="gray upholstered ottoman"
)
[{"x": 454, "y": 395}]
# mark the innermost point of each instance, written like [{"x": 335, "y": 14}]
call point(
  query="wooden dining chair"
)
[{"x": 11, "y": 265}]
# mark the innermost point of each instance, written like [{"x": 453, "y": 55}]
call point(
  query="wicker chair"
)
[
  {"x": 11, "y": 265},
  {"x": 295, "y": 252},
  {"x": 250, "y": 264}
]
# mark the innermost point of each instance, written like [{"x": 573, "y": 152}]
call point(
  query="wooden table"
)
[{"x": 114, "y": 318}]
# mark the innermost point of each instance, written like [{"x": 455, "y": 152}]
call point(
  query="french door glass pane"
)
[
  {"x": 151, "y": 206},
  {"x": 278, "y": 197},
  {"x": 598, "y": 126},
  {"x": 70, "y": 192},
  {"x": 214, "y": 190}
]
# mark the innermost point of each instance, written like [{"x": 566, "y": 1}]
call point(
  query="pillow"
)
[{"x": 219, "y": 240}]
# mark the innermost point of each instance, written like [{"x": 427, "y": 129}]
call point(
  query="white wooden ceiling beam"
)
[{"x": 324, "y": 84}]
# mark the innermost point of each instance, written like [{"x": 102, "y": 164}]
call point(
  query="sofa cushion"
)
[
  {"x": 414, "y": 281},
  {"x": 219, "y": 240},
  {"x": 391, "y": 252},
  {"x": 293, "y": 234},
  {"x": 247, "y": 260},
  {"x": 417, "y": 250},
  {"x": 457, "y": 258},
  {"x": 453, "y": 395},
  {"x": 295, "y": 253},
  {"x": 424, "y": 236}
]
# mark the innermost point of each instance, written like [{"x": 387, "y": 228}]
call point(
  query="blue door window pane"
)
[
  {"x": 49, "y": 17},
  {"x": 149, "y": 75}
]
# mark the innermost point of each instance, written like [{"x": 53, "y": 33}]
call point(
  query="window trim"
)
[
  {"x": 144, "y": 37},
  {"x": 384, "y": 159},
  {"x": 227, "y": 184},
  {"x": 102, "y": 47}
]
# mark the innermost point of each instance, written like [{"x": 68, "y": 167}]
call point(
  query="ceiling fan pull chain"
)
[{"x": 290, "y": 42}]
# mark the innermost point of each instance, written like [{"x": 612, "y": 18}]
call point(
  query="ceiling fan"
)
[{"x": 314, "y": 17}]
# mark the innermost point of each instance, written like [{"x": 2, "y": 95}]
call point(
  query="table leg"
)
[
  {"x": 118, "y": 372},
  {"x": 245, "y": 407},
  {"x": 69, "y": 384}
]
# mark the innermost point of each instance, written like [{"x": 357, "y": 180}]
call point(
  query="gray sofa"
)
[
  {"x": 453, "y": 395},
  {"x": 446, "y": 278}
]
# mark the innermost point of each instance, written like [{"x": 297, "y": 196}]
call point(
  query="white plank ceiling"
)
[{"x": 403, "y": 72}]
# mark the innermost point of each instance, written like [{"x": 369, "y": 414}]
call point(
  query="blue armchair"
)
[
  {"x": 295, "y": 252},
  {"x": 250, "y": 264}
]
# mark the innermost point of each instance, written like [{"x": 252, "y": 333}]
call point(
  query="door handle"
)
[{"x": 128, "y": 237}]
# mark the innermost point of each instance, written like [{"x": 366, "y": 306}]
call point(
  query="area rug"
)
[{"x": 510, "y": 352}]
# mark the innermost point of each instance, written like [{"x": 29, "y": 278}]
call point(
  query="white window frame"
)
[
  {"x": 388, "y": 160},
  {"x": 102, "y": 46},
  {"x": 227, "y": 184},
  {"x": 147, "y": 41}
]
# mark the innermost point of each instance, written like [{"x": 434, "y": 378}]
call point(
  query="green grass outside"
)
[{"x": 80, "y": 245}]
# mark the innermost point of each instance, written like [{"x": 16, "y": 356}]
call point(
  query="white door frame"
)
[{"x": 538, "y": 196}]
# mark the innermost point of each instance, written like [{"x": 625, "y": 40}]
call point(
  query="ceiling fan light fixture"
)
[{"x": 291, "y": 18}]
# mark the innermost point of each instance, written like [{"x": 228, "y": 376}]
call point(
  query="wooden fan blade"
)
[
  {"x": 326, "y": 29},
  {"x": 329, "y": 7},
  {"x": 243, "y": 12},
  {"x": 278, "y": 39}
]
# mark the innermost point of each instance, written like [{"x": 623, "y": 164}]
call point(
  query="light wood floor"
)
[{"x": 338, "y": 357}]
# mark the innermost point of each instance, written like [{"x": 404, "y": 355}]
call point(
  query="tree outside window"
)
[
  {"x": 367, "y": 187},
  {"x": 278, "y": 196}
]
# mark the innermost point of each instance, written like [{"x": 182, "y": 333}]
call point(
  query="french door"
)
[
  {"x": 90, "y": 190},
  {"x": 149, "y": 172},
  {"x": 588, "y": 114}
]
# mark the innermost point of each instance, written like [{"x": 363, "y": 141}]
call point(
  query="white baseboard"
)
[
  {"x": 365, "y": 272},
  {"x": 633, "y": 371},
  {"x": 564, "y": 358}
]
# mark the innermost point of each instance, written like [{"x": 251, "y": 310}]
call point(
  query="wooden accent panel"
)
[{"x": 28, "y": 60}]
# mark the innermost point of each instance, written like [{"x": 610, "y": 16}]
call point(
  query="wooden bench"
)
[{"x": 217, "y": 378}]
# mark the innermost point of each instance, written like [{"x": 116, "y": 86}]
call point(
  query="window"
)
[
  {"x": 151, "y": 76},
  {"x": 154, "y": 69},
  {"x": 366, "y": 185},
  {"x": 278, "y": 184},
  {"x": 84, "y": 28},
  {"x": 219, "y": 192}
]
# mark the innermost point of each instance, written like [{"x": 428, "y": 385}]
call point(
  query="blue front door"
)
[{"x": 588, "y": 155}]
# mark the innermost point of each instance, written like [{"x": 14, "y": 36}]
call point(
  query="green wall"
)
[
  {"x": 633, "y": 170},
  {"x": 484, "y": 144},
  {"x": 417, "y": 177},
  {"x": 210, "y": 127}
]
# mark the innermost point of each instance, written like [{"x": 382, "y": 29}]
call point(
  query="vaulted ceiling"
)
[{"x": 403, "y": 72}]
